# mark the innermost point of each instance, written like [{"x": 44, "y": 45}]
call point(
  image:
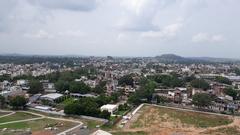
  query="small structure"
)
[
  {"x": 51, "y": 97},
  {"x": 110, "y": 108},
  {"x": 101, "y": 132}
]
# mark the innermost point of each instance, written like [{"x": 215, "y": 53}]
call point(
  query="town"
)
[{"x": 110, "y": 89}]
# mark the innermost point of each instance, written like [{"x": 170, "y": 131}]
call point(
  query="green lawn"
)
[
  {"x": 90, "y": 123},
  {"x": 152, "y": 114},
  {"x": 17, "y": 116},
  {"x": 4, "y": 113},
  {"x": 38, "y": 125}
]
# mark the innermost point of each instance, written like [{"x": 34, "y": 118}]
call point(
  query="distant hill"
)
[{"x": 172, "y": 58}]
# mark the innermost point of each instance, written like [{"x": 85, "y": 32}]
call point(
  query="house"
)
[
  {"x": 22, "y": 82},
  {"x": 49, "y": 87},
  {"x": 111, "y": 108},
  {"x": 236, "y": 85}
]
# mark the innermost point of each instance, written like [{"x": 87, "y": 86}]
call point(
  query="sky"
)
[{"x": 121, "y": 27}]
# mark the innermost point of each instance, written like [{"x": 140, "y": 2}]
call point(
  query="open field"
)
[
  {"x": 3, "y": 113},
  {"x": 17, "y": 116},
  {"x": 39, "y": 125},
  {"x": 165, "y": 121},
  {"x": 90, "y": 123}
]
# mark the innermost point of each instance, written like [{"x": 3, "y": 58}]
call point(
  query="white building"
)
[
  {"x": 101, "y": 132},
  {"x": 109, "y": 107}
]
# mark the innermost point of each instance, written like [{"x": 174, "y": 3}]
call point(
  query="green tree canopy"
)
[
  {"x": 100, "y": 88},
  {"x": 18, "y": 102},
  {"x": 35, "y": 87},
  {"x": 231, "y": 92},
  {"x": 79, "y": 87},
  {"x": 200, "y": 83},
  {"x": 126, "y": 80},
  {"x": 62, "y": 86},
  {"x": 86, "y": 106},
  {"x": 2, "y": 101},
  {"x": 224, "y": 80},
  {"x": 168, "y": 80},
  {"x": 202, "y": 100},
  {"x": 144, "y": 93}
]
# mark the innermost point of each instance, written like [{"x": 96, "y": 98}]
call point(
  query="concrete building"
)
[{"x": 111, "y": 108}]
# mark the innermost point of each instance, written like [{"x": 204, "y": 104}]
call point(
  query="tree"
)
[
  {"x": 79, "y": 87},
  {"x": 237, "y": 71},
  {"x": 189, "y": 78},
  {"x": 102, "y": 100},
  {"x": 72, "y": 108},
  {"x": 201, "y": 99},
  {"x": 18, "y": 102},
  {"x": 123, "y": 107},
  {"x": 35, "y": 87},
  {"x": 162, "y": 99},
  {"x": 168, "y": 80},
  {"x": 231, "y": 92},
  {"x": 105, "y": 114},
  {"x": 86, "y": 106},
  {"x": 62, "y": 86},
  {"x": 224, "y": 80},
  {"x": 100, "y": 88},
  {"x": 126, "y": 80},
  {"x": 144, "y": 94},
  {"x": 2, "y": 101},
  {"x": 200, "y": 83},
  {"x": 134, "y": 99}
]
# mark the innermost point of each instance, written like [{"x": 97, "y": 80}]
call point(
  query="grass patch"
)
[
  {"x": 17, "y": 116},
  {"x": 91, "y": 123},
  {"x": 155, "y": 115},
  {"x": 38, "y": 125},
  {"x": 4, "y": 113},
  {"x": 225, "y": 131}
]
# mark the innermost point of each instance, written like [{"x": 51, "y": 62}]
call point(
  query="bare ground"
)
[{"x": 154, "y": 124}]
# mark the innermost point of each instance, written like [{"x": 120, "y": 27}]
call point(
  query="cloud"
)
[
  {"x": 6, "y": 8},
  {"x": 71, "y": 33},
  {"x": 75, "y": 5},
  {"x": 138, "y": 15},
  {"x": 205, "y": 37},
  {"x": 41, "y": 34},
  {"x": 167, "y": 32}
]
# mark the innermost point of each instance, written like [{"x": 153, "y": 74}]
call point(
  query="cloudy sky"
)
[{"x": 121, "y": 27}]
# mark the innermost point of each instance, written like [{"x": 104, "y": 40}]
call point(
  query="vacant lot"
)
[
  {"x": 164, "y": 121},
  {"x": 17, "y": 116},
  {"x": 154, "y": 115}
]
